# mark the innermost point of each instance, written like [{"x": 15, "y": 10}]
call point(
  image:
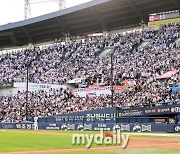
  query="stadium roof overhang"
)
[{"x": 94, "y": 16}]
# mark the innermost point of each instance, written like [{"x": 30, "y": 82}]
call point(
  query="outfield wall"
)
[
  {"x": 129, "y": 120},
  {"x": 95, "y": 127}
]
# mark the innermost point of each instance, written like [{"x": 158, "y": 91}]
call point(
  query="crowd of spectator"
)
[{"x": 58, "y": 64}]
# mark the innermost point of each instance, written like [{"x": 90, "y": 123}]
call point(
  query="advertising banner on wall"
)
[
  {"x": 145, "y": 111},
  {"x": 37, "y": 86},
  {"x": 95, "y": 91},
  {"x": 23, "y": 125},
  {"x": 93, "y": 116},
  {"x": 6, "y": 85},
  {"x": 157, "y": 110},
  {"x": 131, "y": 112},
  {"x": 125, "y": 127},
  {"x": 158, "y": 24}
]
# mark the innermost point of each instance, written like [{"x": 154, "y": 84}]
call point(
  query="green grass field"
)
[{"x": 27, "y": 140}]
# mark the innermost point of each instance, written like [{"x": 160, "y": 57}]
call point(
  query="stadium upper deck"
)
[{"x": 94, "y": 16}]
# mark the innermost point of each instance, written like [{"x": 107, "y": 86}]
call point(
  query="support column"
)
[{"x": 106, "y": 33}]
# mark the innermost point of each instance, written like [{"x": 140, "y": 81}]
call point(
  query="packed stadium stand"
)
[{"x": 141, "y": 67}]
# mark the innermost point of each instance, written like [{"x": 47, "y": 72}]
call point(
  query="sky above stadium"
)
[{"x": 13, "y": 10}]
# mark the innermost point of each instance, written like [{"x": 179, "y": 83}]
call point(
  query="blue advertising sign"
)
[{"x": 106, "y": 115}]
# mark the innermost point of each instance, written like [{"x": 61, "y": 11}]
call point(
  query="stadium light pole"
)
[
  {"x": 112, "y": 88},
  {"x": 27, "y": 84}
]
